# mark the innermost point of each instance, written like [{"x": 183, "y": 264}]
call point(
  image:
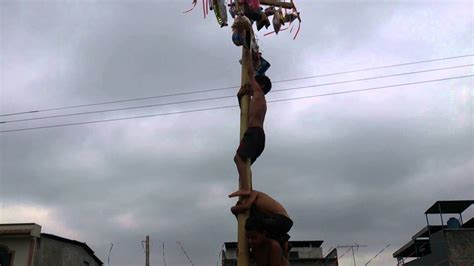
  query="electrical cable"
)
[
  {"x": 377, "y": 254},
  {"x": 344, "y": 253},
  {"x": 230, "y": 96},
  {"x": 232, "y": 106},
  {"x": 233, "y": 87}
]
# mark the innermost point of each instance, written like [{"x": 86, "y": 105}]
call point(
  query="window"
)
[
  {"x": 294, "y": 255},
  {"x": 5, "y": 257}
]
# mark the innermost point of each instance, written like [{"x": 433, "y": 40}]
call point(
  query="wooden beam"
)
[{"x": 277, "y": 3}]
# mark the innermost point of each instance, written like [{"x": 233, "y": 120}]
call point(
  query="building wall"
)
[
  {"x": 292, "y": 262},
  {"x": 451, "y": 247},
  {"x": 438, "y": 254},
  {"x": 21, "y": 248},
  {"x": 51, "y": 252},
  {"x": 460, "y": 246},
  {"x": 308, "y": 252}
]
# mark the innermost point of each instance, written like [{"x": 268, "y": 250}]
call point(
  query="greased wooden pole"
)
[
  {"x": 242, "y": 245},
  {"x": 243, "y": 258}
]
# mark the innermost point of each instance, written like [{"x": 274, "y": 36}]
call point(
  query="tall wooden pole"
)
[
  {"x": 243, "y": 258},
  {"x": 243, "y": 249}
]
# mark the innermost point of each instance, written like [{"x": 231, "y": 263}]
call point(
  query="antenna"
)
[
  {"x": 351, "y": 247},
  {"x": 110, "y": 251},
  {"x": 377, "y": 254},
  {"x": 184, "y": 251},
  {"x": 164, "y": 260}
]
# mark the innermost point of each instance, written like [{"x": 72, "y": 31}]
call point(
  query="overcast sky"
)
[{"x": 350, "y": 168}]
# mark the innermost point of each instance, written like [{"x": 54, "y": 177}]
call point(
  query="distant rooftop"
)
[
  {"x": 413, "y": 249},
  {"x": 449, "y": 206},
  {"x": 74, "y": 242},
  {"x": 20, "y": 229},
  {"x": 420, "y": 244},
  {"x": 295, "y": 244},
  {"x": 32, "y": 229},
  {"x": 425, "y": 233},
  {"x": 304, "y": 244}
]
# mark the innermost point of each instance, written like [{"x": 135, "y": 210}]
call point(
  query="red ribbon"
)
[{"x": 194, "y": 5}]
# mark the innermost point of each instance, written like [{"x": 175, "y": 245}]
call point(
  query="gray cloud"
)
[{"x": 351, "y": 168}]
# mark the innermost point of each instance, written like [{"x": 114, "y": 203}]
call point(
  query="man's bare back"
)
[
  {"x": 257, "y": 107},
  {"x": 268, "y": 205},
  {"x": 263, "y": 202}
]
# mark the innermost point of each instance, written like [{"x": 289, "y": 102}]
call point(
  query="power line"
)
[
  {"x": 340, "y": 257},
  {"x": 367, "y": 263},
  {"x": 231, "y": 96},
  {"x": 233, "y": 87},
  {"x": 232, "y": 106}
]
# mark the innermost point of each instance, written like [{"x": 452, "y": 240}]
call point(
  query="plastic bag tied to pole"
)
[
  {"x": 242, "y": 31},
  {"x": 277, "y": 20},
  {"x": 220, "y": 10}
]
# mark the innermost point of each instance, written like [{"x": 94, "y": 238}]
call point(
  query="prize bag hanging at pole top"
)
[
  {"x": 277, "y": 20},
  {"x": 220, "y": 10},
  {"x": 242, "y": 32}
]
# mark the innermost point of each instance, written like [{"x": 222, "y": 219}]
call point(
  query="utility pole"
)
[
  {"x": 352, "y": 248},
  {"x": 147, "y": 251}
]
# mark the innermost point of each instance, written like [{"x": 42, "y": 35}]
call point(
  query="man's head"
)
[
  {"x": 264, "y": 82},
  {"x": 255, "y": 232}
]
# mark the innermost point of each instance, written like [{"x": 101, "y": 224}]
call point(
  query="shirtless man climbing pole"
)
[
  {"x": 253, "y": 143},
  {"x": 266, "y": 251},
  {"x": 276, "y": 221}
]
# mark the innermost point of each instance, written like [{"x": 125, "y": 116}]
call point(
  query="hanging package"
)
[
  {"x": 220, "y": 10},
  {"x": 277, "y": 20},
  {"x": 242, "y": 31}
]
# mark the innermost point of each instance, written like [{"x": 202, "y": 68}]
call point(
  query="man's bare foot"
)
[{"x": 240, "y": 192}]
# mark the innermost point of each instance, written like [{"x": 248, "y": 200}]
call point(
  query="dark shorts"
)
[
  {"x": 252, "y": 144},
  {"x": 277, "y": 227}
]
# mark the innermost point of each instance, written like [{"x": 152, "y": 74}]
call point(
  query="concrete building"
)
[
  {"x": 25, "y": 245},
  {"x": 302, "y": 253},
  {"x": 446, "y": 244}
]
